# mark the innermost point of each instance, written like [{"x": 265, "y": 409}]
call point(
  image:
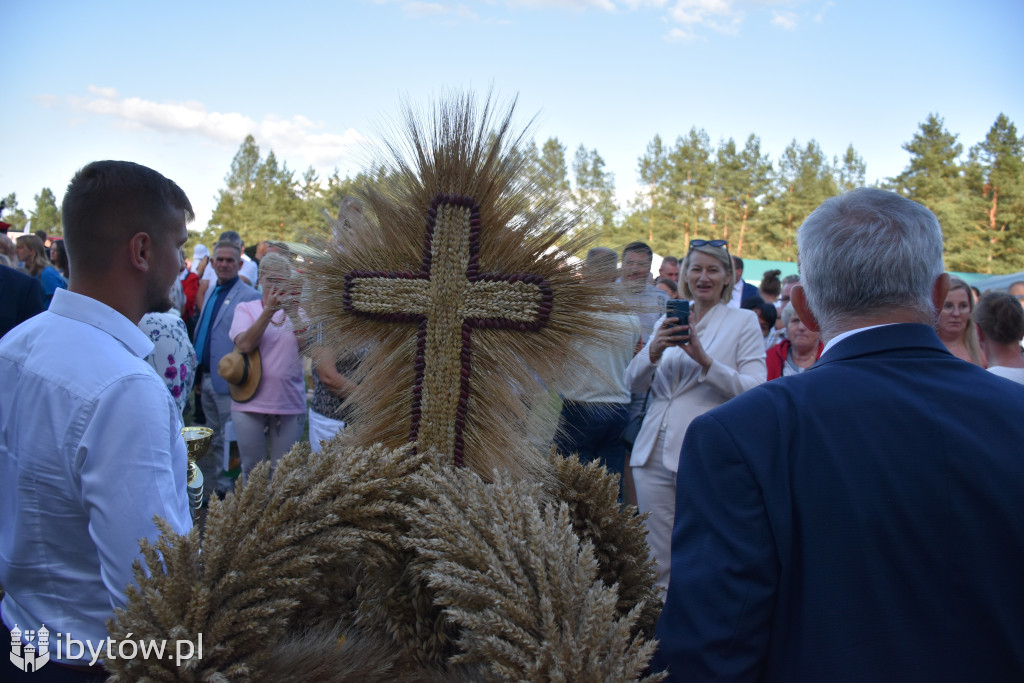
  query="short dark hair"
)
[
  {"x": 640, "y": 247},
  {"x": 109, "y": 201},
  {"x": 770, "y": 283},
  {"x": 670, "y": 260},
  {"x": 768, "y": 311},
  {"x": 1000, "y": 317},
  {"x": 668, "y": 282},
  {"x": 231, "y": 236},
  {"x": 737, "y": 262}
]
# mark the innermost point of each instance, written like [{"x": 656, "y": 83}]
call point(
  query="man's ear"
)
[
  {"x": 803, "y": 311},
  {"x": 140, "y": 249},
  {"x": 939, "y": 291}
]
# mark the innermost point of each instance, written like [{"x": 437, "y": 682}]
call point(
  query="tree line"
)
[
  {"x": 45, "y": 215},
  {"x": 690, "y": 189}
]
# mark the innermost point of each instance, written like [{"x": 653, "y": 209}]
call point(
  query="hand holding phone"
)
[{"x": 680, "y": 310}]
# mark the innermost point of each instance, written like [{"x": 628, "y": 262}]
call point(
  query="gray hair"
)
[
  {"x": 275, "y": 265},
  {"x": 226, "y": 244},
  {"x": 230, "y": 236},
  {"x": 787, "y": 314},
  {"x": 868, "y": 251}
]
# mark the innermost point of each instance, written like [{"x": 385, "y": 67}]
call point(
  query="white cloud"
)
[
  {"x": 687, "y": 18},
  {"x": 46, "y": 101},
  {"x": 820, "y": 16},
  {"x": 297, "y": 136},
  {"x": 676, "y": 35},
  {"x": 103, "y": 92},
  {"x": 784, "y": 20},
  {"x": 417, "y": 10}
]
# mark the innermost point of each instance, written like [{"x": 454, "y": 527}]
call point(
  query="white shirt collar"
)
[
  {"x": 737, "y": 294},
  {"x": 849, "y": 333},
  {"x": 101, "y": 316}
]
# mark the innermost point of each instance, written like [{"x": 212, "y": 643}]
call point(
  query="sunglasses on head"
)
[{"x": 708, "y": 243}]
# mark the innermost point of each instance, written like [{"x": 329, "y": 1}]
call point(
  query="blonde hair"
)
[
  {"x": 970, "y": 330},
  {"x": 720, "y": 253},
  {"x": 36, "y": 261}
]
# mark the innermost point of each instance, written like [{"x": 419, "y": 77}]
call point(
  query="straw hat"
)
[{"x": 243, "y": 372}]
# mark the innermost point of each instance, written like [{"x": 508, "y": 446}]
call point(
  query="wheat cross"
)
[{"x": 448, "y": 297}]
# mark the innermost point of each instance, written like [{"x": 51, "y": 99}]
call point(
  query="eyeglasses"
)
[{"x": 708, "y": 243}]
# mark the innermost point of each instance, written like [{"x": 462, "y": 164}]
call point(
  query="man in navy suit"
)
[
  {"x": 22, "y": 298},
  {"x": 742, "y": 290},
  {"x": 212, "y": 343},
  {"x": 861, "y": 521}
]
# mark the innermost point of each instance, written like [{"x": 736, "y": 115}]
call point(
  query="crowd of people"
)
[{"x": 793, "y": 521}]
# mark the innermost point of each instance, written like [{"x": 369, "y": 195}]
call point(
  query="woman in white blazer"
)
[{"x": 723, "y": 357}]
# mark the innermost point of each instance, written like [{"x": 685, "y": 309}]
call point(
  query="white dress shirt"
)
[
  {"x": 249, "y": 270},
  {"x": 90, "y": 451}
]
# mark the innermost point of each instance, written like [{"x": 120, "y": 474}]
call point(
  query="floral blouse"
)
[{"x": 173, "y": 357}]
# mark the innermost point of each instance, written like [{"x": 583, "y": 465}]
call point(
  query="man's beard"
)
[
  {"x": 159, "y": 299},
  {"x": 160, "y": 306}
]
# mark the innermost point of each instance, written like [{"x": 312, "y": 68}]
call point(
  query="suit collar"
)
[{"x": 900, "y": 336}]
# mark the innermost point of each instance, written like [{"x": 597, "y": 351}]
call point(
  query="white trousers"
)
[
  {"x": 322, "y": 428},
  {"x": 656, "y": 494}
]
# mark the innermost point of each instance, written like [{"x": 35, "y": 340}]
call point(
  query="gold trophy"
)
[{"x": 197, "y": 440}]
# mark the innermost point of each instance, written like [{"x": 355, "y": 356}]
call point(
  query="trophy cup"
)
[{"x": 197, "y": 440}]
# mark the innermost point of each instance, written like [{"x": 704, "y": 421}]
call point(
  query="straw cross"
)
[{"x": 448, "y": 298}]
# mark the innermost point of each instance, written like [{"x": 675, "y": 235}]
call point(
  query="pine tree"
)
[
  {"x": 46, "y": 215},
  {"x": 935, "y": 177},
  {"x": 803, "y": 181},
  {"x": 260, "y": 200},
  {"x": 996, "y": 175},
  {"x": 14, "y": 214},
  {"x": 691, "y": 174},
  {"x": 594, "y": 192},
  {"x": 851, "y": 170},
  {"x": 742, "y": 181}
]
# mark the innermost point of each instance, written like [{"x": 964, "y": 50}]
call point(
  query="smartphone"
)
[{"x": 679, "y": 308}]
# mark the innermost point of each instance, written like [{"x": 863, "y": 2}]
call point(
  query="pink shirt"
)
[{"x": 282, "y": 389}]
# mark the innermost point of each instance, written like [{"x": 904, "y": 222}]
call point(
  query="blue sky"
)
[{"x": 177, "y": 86}]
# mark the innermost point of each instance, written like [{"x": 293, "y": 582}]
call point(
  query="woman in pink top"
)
[{"x": 271, "y": 421}]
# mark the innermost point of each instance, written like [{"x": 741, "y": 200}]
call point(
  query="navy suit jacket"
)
[
  {"x": 749, "y": 292},
  {"x": 21, "y": 297},
  {"x": 863, "y": 521},
  {"x": 220, "y": 343}
]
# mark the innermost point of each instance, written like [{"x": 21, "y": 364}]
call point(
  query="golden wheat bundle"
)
[
  {"x": 263, "y": 560},
  {"x": 460, "y": 289},
  {"x": 524, "y": 590}
]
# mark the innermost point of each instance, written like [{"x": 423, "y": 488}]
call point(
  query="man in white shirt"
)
[
  {"x": 645, "y": 300},
  {"x": 595, "y": 406},
  {"x": 90, "y": 443}
]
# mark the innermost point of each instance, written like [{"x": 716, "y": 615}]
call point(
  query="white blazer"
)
[{"x": 681, "y": 390}]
